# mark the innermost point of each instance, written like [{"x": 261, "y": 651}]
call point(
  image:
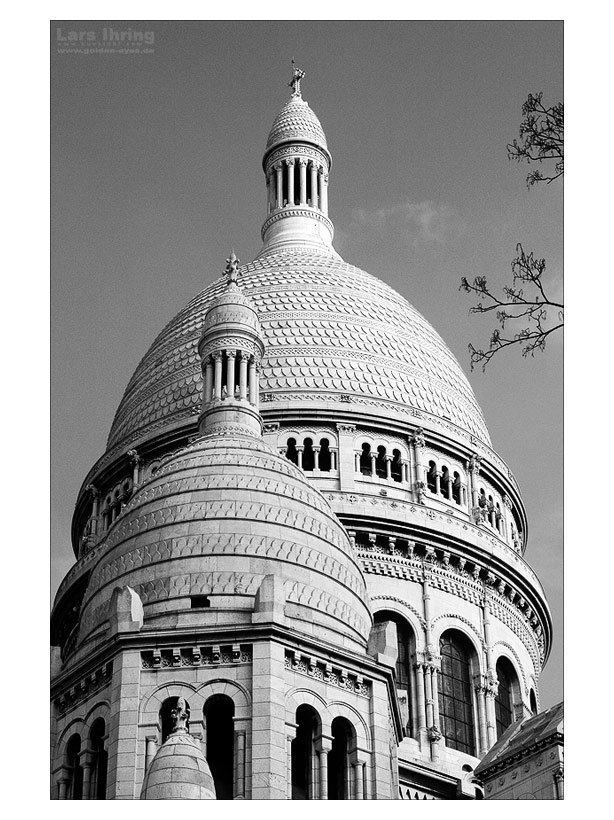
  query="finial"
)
[
  {"x": 295, "y": 82},
  {"x": 180, "y": 715},
  {"x": 232, "y": 266}
]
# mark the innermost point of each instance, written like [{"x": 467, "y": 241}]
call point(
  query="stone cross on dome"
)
[
  {"x": 295, "y": 82},
  {"x": 232, "y": 267}
]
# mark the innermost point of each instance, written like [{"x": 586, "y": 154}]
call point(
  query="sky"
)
[{"x": 156, "y": 175}]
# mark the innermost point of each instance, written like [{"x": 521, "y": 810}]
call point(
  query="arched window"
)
[
  {"x": 380, "y": 462},
  {"x": 365, "y": 459},
  {"x": 166, "y": 719},
  {"x": 324, "y": 459},
  {"x": 504, "y": 701},
  {"x": 291, "y": 452},
  {"x": 303, "y": 753},
  {"x": 339, "y": 769},
  {"x": 308, "y": 455},
  {"x": 219, "y": 720},
  {"x": 533, "y": 702},
  {"x": 74, "y": 787},
  {"x": 455, "y": 695},
  {"x": 98, "y": 781},
  {"x": 431, "y": 481},
  {"x": 456, "y": 488},
  {"x": 396, "y": 468},
  {"x": 405, "y": 648}
]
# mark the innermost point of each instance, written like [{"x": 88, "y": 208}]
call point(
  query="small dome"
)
[
  {"x": 179, "y": 771},
  {"x": 296, "y": 121},
  {"x": 218, "y": 517},
  {"x": 232, "y": 306}
]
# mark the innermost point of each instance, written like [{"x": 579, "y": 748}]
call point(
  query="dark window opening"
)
[
  {"x": 533, "y": 702},
  {"x": 396, "y": 468},
  {"x": 219, "y": 716},
  {"x": 339, "y": 760},
  {"x": 74, "y": 790},
  {"x": 446, "y": 484},
  {"x": 431, "y": 482},
  {"x": 456, "y": 488},
  {"x": 380, "y": 462},
  {"x": 98, "y": 784},
  {"x": 365, "y": 459},
  {"x": 291, "y": 451},
  {"x": 405, "y": 647},
  {"x": 503, "y": 700},
  {"x": 324, "y": 459},
  {"x": 303, "y": 754},
  {"x": 308, "y": 455},
  {"x": 200, "y": 601}
]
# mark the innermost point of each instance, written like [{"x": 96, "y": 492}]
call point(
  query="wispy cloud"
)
[{"x": 417, "y": 222}]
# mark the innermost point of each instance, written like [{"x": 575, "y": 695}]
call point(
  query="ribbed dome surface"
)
[
  {"x": 295, "y": 122},
  {"x": 217, "y": 518},
  {"x": 179, "y": 771},
  {"x": 331, "y": 332}
]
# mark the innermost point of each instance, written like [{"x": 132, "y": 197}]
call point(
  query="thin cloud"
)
[{"x": 418, "y": 222}]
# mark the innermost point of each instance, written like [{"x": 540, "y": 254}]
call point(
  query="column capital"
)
[
  {"x": 217, "y": 355},
  {"x": 290, "y": 161},
  {"x": 93, "y": 490},
  {"x": 302, "y": 161},
  {"x": 231, "y": 354}
]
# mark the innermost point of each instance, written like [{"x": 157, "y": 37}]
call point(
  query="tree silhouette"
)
[{"x": 525, "y": 301}]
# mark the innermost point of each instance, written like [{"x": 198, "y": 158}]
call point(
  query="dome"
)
[
  {"x": 296, "y": 122},
  {"x": 215, "y": 519},
  {"x": 179, "y": 771},
  {"x": 332, "y": 333}
]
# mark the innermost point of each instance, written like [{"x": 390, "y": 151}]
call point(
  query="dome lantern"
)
[
  {"x": 231, "y": 350},
  {"x": 296, "y": 164}
]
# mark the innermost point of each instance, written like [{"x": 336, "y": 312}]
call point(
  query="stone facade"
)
[{"x": 300, "y": 527}]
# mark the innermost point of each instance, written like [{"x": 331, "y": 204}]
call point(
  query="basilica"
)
[{"x": 299, "y": 562}]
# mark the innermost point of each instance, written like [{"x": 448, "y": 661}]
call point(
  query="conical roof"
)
[
  {"x": 179, "y": 771},
  {"x": 296, "y": 121}
]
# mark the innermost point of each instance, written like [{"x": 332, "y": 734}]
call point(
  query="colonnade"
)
[
  {"x": 297, "y": 181},
  {"x": 220, "y": 376}
]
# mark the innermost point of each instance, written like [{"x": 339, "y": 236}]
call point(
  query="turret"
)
[
  {"x": 231, "y": 349},
  {"x": 296, "y": 164}
]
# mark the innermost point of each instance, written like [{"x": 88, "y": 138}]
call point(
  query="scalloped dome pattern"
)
[
  {"x": 330, "y": 330},
  {"x": 296, "y": 121}
]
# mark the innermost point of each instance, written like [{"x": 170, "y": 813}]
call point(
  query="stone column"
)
[
  {"x": 217, "y": 390},
  {"x": 290, "y": 177},
  {"x": 481, "y": 701},
  {"x": 388, "y": 460},
  {"x": 303, "y": 180},
  {"x": 357, "y": 461},
  {"x": 421, "y": 705},
  {"x": 438, "y": 482},
  {"x": 324, "y": 193},
  {"x": 239, "y": 786},
  {"x": 230, "y": 373},
  {"x": 300, "y": 449},
  {"x": 290, "y": 735},
  {"x": 136, "y": 463},
  {"x": 95, "y": 508},
  {"x": 253, "y": 386},
  {"x": 208, "y": 382},
  {"x": 151, "y": 747},
  {"x": 373, "y": 460},
  {"x": 334, "y": 456},
  {"x": 63, "y": 781},
  {"x": 279, "y": 195},
  {"x": 359, "y": 780},
  {"x": 85, "y": 759},
  {"x": 270, "y": 190},
  {"x": 316, "y": 457},
  {"x": 314, "y": 185},
  {"x": 243, "y": 360},
  {"x": 325, "y": 747},
  {"x": 418, "y": 442}
]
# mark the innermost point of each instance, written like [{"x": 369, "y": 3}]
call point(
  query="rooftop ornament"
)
[
  {"x": 180, "y": 715},
  {"x": 295, "y": 82}
]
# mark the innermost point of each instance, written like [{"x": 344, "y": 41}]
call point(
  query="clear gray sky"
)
[{"x": 156, "y": 175}]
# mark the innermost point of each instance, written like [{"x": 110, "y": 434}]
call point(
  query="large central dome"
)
[{"x": 332, "y": 332}]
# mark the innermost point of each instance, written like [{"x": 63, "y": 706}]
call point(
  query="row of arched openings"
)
[
  {"x": 310, "y": 456},
  {"x": 449, "y": 485},
  {"x": 456, "y": 689},
  {"x": 85, "y": 765},
  {"x": 308, "y": 771},
  {"x": 379, "y": 463}
]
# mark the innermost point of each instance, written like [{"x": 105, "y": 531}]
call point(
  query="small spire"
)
[
  {"x": 180, "y": 715},
  {"x": 232, "y": 267},
  {"x": 295, "y": 82}
]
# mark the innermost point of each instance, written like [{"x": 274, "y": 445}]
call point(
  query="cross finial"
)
[
  {"x": 232, "y": 266},
  {"x": 180, "y": 715},
  {"x": 295, "y": 82}
]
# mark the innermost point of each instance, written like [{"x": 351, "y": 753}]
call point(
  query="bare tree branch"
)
[{"x": 541, "y": 140}]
